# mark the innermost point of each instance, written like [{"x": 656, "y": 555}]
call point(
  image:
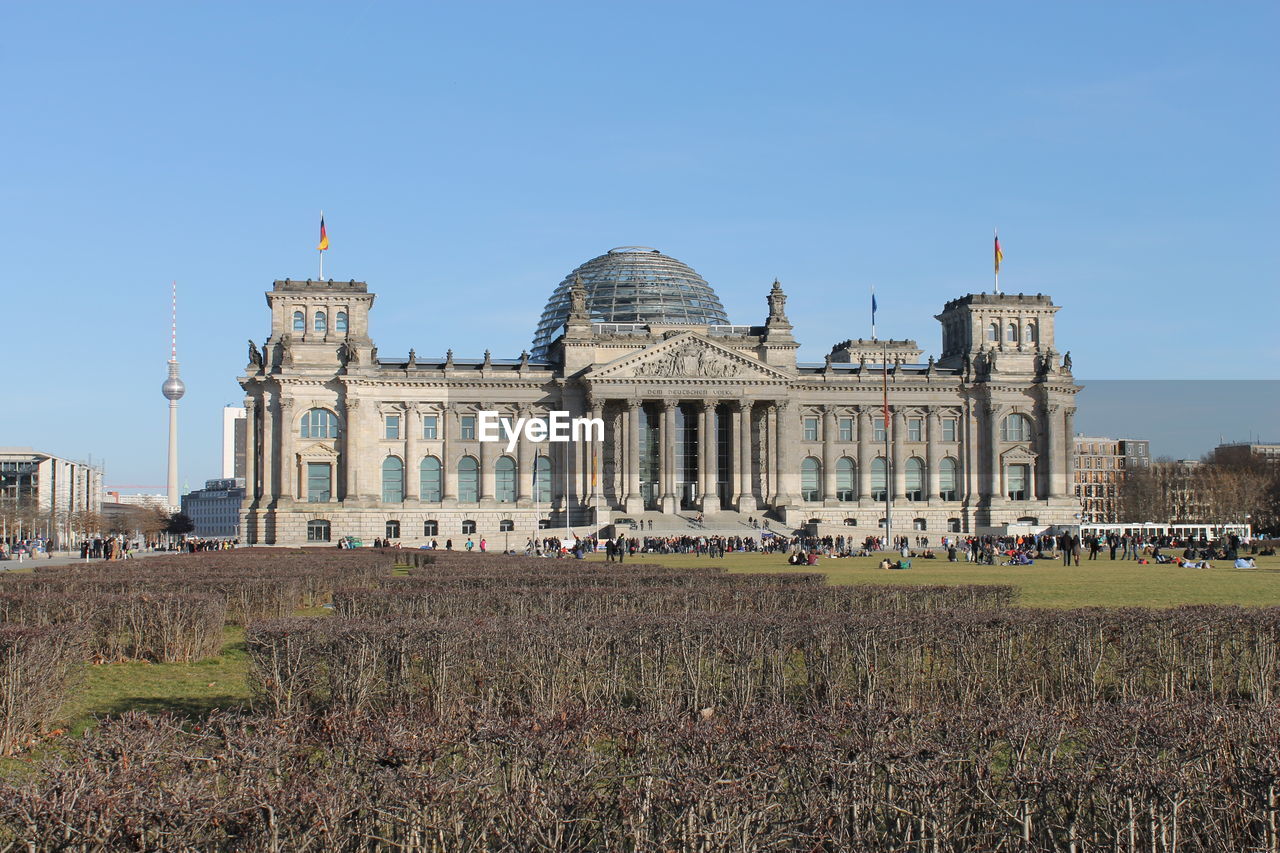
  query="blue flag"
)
[{"x": 873, "y": 307}]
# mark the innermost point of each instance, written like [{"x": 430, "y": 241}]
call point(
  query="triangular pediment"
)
[
  {"x": 1018, "y": 454},
  {"x": 687, "y": 355}
]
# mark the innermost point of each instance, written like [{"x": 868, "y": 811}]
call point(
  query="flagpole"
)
[
  {"x": 888, "y": 465},
  {"x": 996, "y": 256}
]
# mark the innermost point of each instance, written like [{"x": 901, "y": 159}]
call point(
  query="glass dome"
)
[{"x": 632, "y": 284}]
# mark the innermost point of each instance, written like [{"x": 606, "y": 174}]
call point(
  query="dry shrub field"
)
[{"x": 497, "y": 703}]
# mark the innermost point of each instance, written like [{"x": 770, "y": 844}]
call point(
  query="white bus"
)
[{"x": 1149, "y": 530}]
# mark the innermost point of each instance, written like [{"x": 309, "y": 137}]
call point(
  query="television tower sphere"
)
[{"x": 173, "y": 387}]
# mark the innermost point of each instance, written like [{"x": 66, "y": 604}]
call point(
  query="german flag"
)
[
  {"x": 999, "y": 255},
  {"x": 324, "y": 237}
]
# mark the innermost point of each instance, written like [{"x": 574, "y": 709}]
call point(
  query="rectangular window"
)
[
  {"x": 318, "y": 489},
  {"x": 878, "y": 430},
  {"x": 846, "y": 429},
  {"x": 428, "y": 426},
  {"x": 914, "y": 429},
  {"x": 810, "y": 429},
  {"x": 392, "y": 426},
  {"x": 949, "y": 429},
  {"x": 1017, "y": 482},
  {"x": 468, "y": 427}
]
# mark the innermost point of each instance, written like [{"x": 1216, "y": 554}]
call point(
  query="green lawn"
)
[{"x": 1099, "y": 583}]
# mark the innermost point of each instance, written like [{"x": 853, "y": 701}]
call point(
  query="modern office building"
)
[
  {"x": 1237, "y": 453},
  {"x": 215, "y": 509},
  {"x": 699, "y": 416},
  {"x": 233, "y": 442}
]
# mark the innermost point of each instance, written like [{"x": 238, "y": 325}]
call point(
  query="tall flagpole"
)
[
  {"x": 322, "y": 246},
  {"x": 873, "y": 312},
  {"x": 997, "y": 255},
  {"x": 888, "y": 456}
]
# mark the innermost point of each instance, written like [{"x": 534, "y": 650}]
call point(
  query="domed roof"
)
[{"x": 632, "y": 284}]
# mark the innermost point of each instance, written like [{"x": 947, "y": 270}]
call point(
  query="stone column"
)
[
  {"x": 1055, "y": 450},
  {"x": 933, "y": 458},
  {"x": 993, "y": 450},
  {"x": 735, "y": 459},
  {"x": 412, "y": 474},
  {"x": 771, "y": 453},
  {"x": 746, "y": 478},
  {"x": 788, "y": 459},
  {"x": 487, "y": 456},
  {"x": 350, "y": 450},
  {"x": 593, "y": 494},
  {"x": 448, "y": 465},
  {"x": 268, "y": 451},
  {"x": 708, "y": 457},
  {"x": 828, "y": 484},
  {"x": 634, "y": 500},
  {"x": 666, "y": 440},
  {"x": 288, "y": 458},
  {"x": 866, "y": 452},
  {"x": 1068, "y": 451},
  {"x": 524, "y": 473},
  {"x": 897, "y": 437},
  {"x": 251, "y": 446}
]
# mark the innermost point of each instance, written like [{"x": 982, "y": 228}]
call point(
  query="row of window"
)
[
  {"x": 1012, "y": 334},
  {"x": 322, "y": 423},
  {"x": 430, "y": 480},
  {"x": 915, "y": 429},
  {"x": 846, "y": 481},
  {"x": 320, "y": 530},
  {"x": 319, "y": 322}
]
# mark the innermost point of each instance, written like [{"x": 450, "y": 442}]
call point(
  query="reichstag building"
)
[{"x": 701, "y": 417}]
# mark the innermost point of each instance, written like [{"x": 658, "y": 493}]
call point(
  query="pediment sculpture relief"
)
[{"x": 690, "y": 360}]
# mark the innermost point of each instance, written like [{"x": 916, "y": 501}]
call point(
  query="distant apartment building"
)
[
  {"x": 215, "y": 509},
  {"x": 1102, "y": 464},
  {"x": 45, "y": 495},
  {"x": 1238, "y": 453},
  {"x": 234, "y": 442}
]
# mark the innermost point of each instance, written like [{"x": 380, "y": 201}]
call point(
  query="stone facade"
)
[{"x": 714, "y": 419}]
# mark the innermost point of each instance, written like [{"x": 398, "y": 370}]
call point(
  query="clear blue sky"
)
[{"x": 468, "y": 155}]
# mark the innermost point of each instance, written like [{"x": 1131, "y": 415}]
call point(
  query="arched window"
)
[
  {"x": 321, "y": 322},
  {"x": 392, "y": 480},
  {"x": 542, "y": 480},
  {"x": 851, "y": 522},
  {"x": 1016, "y": 427},
  {"x": 429, "y": 478},
  {"x": 1011, "y": 333},
  {"x": 810, "y": 478},
  {"x": 504, "y": 473},
  {"x": 506, "y": 525},
  {"x": 468, "y": 527},
  {"x": 299, "y": 321},
  {"x": 879, "y": 480},
  {"x": 340, "y": 324},
  {"x": 319, "y": 423},
  {"x": 1033, "y": 333},
  {"x": 947, "y": 479},
  {"x": 430, "y": 527},
  {"x": 468, "y": 480},
  {"x": 393, "y": 530},
  {"x": 993, "y": 333},
  {"x": 915, "y": 479},
  {"x": 845, "y": 488},
  {"x": 317, "y": 530}
]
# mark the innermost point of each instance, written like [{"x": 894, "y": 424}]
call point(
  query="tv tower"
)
[{"x": 173, "y": 389}]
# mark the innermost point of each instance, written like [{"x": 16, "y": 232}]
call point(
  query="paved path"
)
[{"x": 66, "y": 558}]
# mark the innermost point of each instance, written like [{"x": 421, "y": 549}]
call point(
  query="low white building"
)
[{"x": 46, "y": 496}]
